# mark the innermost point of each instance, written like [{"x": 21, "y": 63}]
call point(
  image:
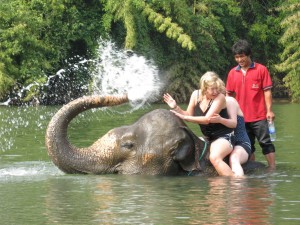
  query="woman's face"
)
[{"x": 212, "y": 91}]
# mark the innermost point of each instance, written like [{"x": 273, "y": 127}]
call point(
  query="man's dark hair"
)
[{"x": 241, "y": 47}]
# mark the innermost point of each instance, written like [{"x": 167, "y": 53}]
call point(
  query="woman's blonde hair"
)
[{"x": 209, "y": 79}]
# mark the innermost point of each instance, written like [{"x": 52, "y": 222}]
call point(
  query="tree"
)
[
  {"x": 37, "y": 37},
  {"x": 130, "y": 11},
  {"x": 290, "y": 39},
  {"x": 198, "y": 28},
  {"x": 185, "y": 38}
]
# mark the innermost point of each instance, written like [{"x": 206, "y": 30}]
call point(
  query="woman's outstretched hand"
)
[
  {"x": 170, "y": 101},
  {"x": 181, "y": 116}
]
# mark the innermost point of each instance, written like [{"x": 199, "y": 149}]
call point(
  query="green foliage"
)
[
  {"x": 260, "y": 25},
  {"x": 203, "y": 31},
  {"x": 19, "y": 44},
  {"x": 210, "y": 25},
  {"x": 185, "y": 38},
  {"x": 181, "y": 86},
  {"x": 5, "y": 81},
  {"x": 291, "y": 54},
  {"x": 37, "y": 36},
  {"x": 219, "y": 26},
  {"x": 130, "y": 11},
  {"x": 172, "y": 30}
]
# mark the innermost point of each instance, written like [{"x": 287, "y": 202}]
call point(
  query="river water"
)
[{"x": 34, "y": 191}]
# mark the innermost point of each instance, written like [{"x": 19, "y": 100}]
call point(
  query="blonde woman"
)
[{"x": 204, "y": 103}]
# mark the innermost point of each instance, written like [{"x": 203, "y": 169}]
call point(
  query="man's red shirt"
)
[{"x": 249, "y": 90}]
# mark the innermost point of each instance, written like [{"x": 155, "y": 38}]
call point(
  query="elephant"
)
[{"x": 158, "y": 143}]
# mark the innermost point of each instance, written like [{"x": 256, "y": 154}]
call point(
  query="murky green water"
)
[{"x": 34, "y": 191}]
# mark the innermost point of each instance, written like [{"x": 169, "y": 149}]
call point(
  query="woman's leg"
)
[
  {"x": 219, "y": 149},
  {"x": 236, "y": 159}
]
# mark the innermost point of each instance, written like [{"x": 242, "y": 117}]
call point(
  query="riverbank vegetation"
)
[{"x": 184, "y": 38}]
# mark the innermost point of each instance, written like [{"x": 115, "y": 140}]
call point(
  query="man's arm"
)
[{"x": 268, "y": 101}]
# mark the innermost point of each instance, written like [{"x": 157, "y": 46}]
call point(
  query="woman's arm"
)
[
  {"x": 232, "y": 109},
  {"x": 217, "y": 105}
]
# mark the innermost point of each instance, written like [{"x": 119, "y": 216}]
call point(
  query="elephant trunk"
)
[{"x": 66, "y": 157}]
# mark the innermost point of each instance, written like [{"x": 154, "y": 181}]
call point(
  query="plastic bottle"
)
[{"x": 272, "y": 130}]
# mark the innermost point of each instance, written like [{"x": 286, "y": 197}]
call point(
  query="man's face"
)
[{"x": 243, "y": 60}]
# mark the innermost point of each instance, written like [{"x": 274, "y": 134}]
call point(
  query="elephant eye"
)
[{"x": 127, "y": 145}]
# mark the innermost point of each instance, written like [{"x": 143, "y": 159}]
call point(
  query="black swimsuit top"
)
[{"x": 212, "y": 130}]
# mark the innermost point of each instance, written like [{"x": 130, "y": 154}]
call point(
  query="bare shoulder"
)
[
  {"x": 231, "y": 100},
  {"x": 196, "y": 94},
  {"x": 232, "y": 103},
  {"x": 194, "y": 98},
  {"x": 220, "y": 100},
  {"x": 221, "y": 97}
]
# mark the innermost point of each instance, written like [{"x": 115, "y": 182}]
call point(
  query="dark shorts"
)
[
  {"x": 246, "y": 146},
  {"x": 260, "y": 131},
  {"x": 229, "y": 137}
]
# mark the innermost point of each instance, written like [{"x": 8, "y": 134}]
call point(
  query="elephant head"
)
[{"x": 159, "y": 143}]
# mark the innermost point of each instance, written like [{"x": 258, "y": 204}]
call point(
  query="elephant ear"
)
[{"x": 196, "y": 160}]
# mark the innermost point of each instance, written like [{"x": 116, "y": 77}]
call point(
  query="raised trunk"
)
[{"x": 65, "y": 156}]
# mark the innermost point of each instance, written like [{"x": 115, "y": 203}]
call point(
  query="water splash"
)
[
  {"x": 116, "y": 71},
  {"x": 119, "y": 71},
  {"x": 59, "y": 88},
  {"x": 16, "y": 121},
  {"x": 28, "y": 171}
]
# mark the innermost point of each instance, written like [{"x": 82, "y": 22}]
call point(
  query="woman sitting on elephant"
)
[
  {"x": 205, "y": 103},
  {"x": 242, "y": 149}
]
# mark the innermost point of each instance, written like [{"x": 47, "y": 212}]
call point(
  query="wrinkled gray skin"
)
[{"x": 158, "y": 143}]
